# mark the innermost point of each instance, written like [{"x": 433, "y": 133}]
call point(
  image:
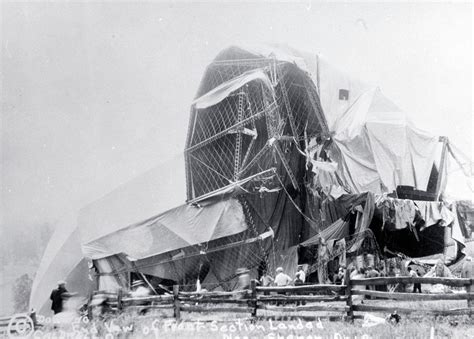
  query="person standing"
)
[
  {"x": 301, "y": 273},
  {"x": 243, "y": 279},
  {"x": 414, "y": 274},
  {"x": 298, "y": 282},
  {"x": 371, "y": 273},
  {"x": 339, "y": 278},
  {"x": 57, "y": 297},
  {"x": 266, "y": 280},
  {"x": 282, "y": 279}
]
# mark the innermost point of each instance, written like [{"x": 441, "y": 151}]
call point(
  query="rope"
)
[
  {"x": 248, "y": 213},
  {"x": 308, "y": 219}
]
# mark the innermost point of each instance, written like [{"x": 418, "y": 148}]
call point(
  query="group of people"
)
[
  {"x": 281, "y": 279},
  {"x": 139, "y": 289}
]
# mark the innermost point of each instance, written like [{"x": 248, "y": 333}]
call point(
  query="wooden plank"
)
[
  {"x": 165, "y": 307},
  {"x": 347, "y": 280},
  {"x": 413, "y": 312},
  {"x": 105, "y": 293},
  {"x": 253, "y": 288},
  {"x": 442, "y": 166},
  {"x": 119, "y": 299},
  {"x": 307, "y": 298},
  {"x": 211, "y": 293},
  {"x": 414, "y": 296},
  {"x": 322, "y": 307},
  {"x": 166, "y": 298},
  {"x": 216, "y": 309},
  {"x": 209, "y": 296},
  {"x": 470, "y": 290},
  {"x": 288, "y": 317},
  {"x": 460, "y": 282},
  {"x": 303, "y": 288},
  {"x": 214, "y": 301}
]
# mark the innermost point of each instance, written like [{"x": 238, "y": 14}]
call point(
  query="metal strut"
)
[{"x": 238, "y": 137}]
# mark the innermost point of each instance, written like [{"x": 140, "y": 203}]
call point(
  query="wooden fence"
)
[
  {"x": 18, "y": 324},
  {"x": 306, "y": 301}
]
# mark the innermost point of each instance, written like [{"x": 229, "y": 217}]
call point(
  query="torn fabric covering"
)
[
  {"x": 456, "y": 231},
  {"x": 379, "y": 147},
  {"x": 179, "y": 227},
  {"x": 434, "y": 212},
  {"x": 400, "y": 213},
  {"x": 397, "y": 213},
  {"x": 325, "y": 178},
  {"x": 337, "y": 230},
  {"x": 224, "y": 90},
  {"x": 215, "y": 264},
  {"x": 465, "y": 214},
  {"x": 113, "y": 273}
]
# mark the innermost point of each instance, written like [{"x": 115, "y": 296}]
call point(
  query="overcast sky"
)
[{"x": 96, "y": 93}]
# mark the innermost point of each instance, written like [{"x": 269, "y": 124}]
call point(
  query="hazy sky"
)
[{"x": 94, "y": 94}]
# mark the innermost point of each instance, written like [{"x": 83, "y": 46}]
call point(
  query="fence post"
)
[
  {"x": 89, "y": 306},
  {"x": 119, "y": 299},
  {"x": 177, "y": 312},
  {"x": 253, "y": 286},
  {"x": 347, "y": 281},
  {"x": 470, "y": 289}
]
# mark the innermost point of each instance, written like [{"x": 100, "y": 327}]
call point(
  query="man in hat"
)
[{"x": 58, "y": 295}]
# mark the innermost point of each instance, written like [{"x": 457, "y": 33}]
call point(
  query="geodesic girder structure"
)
[{"x": 250, "y": 113}]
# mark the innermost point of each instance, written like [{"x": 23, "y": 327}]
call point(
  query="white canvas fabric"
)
[
  {"x": 224, "y": 90},
  {"x": 177, "y": 228}
]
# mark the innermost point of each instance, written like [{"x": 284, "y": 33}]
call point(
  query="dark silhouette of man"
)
[{"x": 57, "y": 297}]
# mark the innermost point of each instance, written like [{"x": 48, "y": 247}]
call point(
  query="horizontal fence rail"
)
[
  {"x": 459, "y": 282},
  {"x": 322, "y": 300}
]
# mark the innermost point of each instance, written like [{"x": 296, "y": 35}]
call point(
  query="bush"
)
[{"x": 21, "y": 293}]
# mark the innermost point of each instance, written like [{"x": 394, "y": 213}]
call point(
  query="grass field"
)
[{"x": 160, "y": 324}]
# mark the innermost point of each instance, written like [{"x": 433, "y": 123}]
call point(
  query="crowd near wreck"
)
[{"x": 288, "y": 162}]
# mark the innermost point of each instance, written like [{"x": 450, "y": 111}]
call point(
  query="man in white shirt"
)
[
  {"x": 281, "y": 279},
  {"x": 301, "y": 273}
]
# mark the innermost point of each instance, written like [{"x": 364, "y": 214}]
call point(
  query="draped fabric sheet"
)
[
  {"x": 381, "y": 148},
  {"x": 179, "y": 227},
  {"x": 337, "y": 230},
  {"x": 224, "y": 90}
]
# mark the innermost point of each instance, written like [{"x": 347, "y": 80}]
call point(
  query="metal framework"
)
[{"x": 252, "y": 128}]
